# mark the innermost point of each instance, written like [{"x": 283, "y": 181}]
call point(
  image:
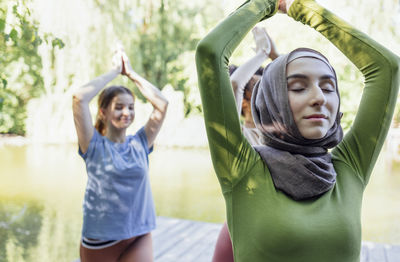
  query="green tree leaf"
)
[
  {"x": 4, "y": 82},
  {"x": 57, "y": 42},
  {"x": 2, "y": 24},
  {"x": 14, "y": 36}
]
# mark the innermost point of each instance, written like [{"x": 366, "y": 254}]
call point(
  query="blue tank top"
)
[{"x": 118, "y": 203}]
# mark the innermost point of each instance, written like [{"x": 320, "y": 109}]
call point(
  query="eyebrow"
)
[
  {"x": 301, "y": 76},
  {"x": 121, "y": 104}
]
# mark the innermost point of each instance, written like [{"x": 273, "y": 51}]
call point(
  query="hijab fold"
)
[{"x": 302, "y": 168}]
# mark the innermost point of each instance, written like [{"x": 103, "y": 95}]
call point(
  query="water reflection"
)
[{"x": 20, "y": 225}]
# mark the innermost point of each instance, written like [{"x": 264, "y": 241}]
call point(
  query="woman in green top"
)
[{"x": 290, "y": 199}]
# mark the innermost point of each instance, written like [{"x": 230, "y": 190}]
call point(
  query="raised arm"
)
[
  {"x": 227, "y": 144},
  {"x": 380, "y": 68},
  {"x": 153, "y": 95},
  {"x": 81, "y": 99},
  {"x": 244, "y": 72}
]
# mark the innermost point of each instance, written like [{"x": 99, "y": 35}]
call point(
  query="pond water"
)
[{"x": 42, "y": 186}]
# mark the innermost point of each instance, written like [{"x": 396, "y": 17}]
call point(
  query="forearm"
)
[
  {"x": 357, "y": 46},
  {"x": 80, "y": 107},
  {"x": 149, "y": 91},
  {"x": 243, "y": 74},
  {"x": 212, "y": 57},
  {"x": 86, "y": 93}
]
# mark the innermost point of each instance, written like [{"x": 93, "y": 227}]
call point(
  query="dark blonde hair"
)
[
  {"x": 248, "y": 88},
  {"x": 105, "y": 98}
]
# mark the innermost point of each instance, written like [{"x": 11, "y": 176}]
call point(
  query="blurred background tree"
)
[
  {"x": 20, "y": 63},
  {"x": 156, "y": 33},
  {"x": 39, "y": 73}
]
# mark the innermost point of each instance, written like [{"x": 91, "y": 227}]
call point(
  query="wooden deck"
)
[{"x": 177, "y": 240}]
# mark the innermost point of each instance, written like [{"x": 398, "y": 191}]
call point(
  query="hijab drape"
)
[{"x": 302, "y": 168}]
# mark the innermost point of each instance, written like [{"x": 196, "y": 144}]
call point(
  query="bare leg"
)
[
  {"x": 223, "y": 248},
  {"x": 108, "y": 254},
  {"x": 141, "y": 250}
]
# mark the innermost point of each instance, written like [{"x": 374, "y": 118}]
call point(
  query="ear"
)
[{"x": 102, "y": 114}]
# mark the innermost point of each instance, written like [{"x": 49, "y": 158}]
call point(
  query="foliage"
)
[
  {"x": 156, "y": 35},
  {"x": 20, "y": 63},
  {"x": 160, "y": 37}
]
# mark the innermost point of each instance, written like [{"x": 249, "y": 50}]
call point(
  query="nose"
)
[
  {"x": 318, "y": 97},
  {"x": 125, "y": 111}
]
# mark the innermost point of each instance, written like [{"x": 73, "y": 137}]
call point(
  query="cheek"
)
[
  {"x": 333, "y": 108},
  {"x": 294, "y": 104},
  {"x": 334, "y": 104}
]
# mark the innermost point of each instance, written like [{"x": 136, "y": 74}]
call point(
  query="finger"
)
[{"x": 125, "y": 57}]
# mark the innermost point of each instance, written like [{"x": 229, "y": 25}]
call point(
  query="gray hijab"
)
[{"x": 302, "y": 168}]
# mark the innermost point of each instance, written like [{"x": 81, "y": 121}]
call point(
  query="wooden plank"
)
[
  {"x": 195, "y": 242},
  {"x": 376, "y": 252},
  {"x": 183, "y": 241},
  {"x": 163, "y": 225},
  {"x": 392, "y": 253},
  {"x": 170, "y": 237},
  {"x": 364, "y": 257},
  {"x": 203, "y": 244},
  {"x": 179, "y": 240},
  {"x": 206, "y": 246}
]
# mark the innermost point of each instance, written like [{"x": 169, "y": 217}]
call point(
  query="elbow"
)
[
  {"x": 395, "y": 66},
  {"x": 163, "y": 106},
  {"x": 166, "y": 103},
  {"x": 393, "y": 61},
  {"x": 393, "y": 70},
  {"x": 204, "y": 50},
  {"x": 76, "y": 98},
  {"x": 388, "y": 69}
]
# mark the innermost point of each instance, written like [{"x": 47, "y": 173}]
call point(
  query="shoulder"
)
[{"x": 139, "y": 139}]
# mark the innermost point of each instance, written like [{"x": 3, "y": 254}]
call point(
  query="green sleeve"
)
[
  {"x": 232, "y": 155},
  {"x": 380, "y": 67}
]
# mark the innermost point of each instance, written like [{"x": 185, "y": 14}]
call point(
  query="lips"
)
[
  {"x": 316, "y": 116},
  {"x": 125, "y": 119}
]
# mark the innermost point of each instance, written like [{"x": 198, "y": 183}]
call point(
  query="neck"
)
[{"x": 116, "y": 135}]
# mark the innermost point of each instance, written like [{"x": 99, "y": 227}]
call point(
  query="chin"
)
[
  {"x": 317, "y": 134},
  {"x": 123, "y": 125}
]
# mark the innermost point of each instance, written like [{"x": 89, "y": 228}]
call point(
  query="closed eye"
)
[
  {"x": 328, "y": 86},
  {"x": 297, "y": 85}
]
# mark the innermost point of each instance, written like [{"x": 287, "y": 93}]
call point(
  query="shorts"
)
[{"x": 97, "y": 244}]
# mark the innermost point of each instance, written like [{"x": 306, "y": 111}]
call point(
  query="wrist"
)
[
  {"x": 115, "y": 71},
  {"x": 130, "y": 73},
  {"x": 273, "y": 56},
  {"x": 263, "y": 52}
]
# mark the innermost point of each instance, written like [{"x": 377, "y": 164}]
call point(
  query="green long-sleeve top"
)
[{"x": 264, "y": 223}]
